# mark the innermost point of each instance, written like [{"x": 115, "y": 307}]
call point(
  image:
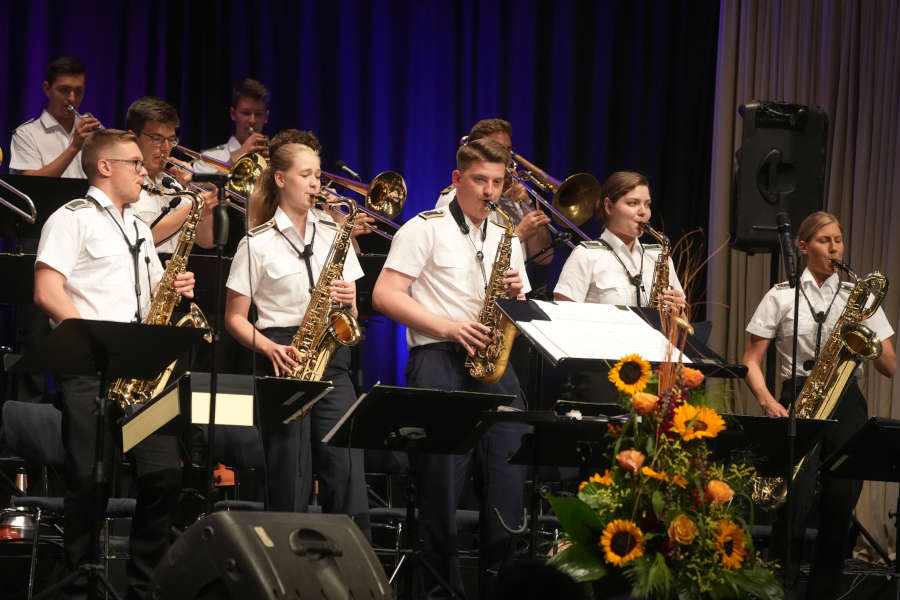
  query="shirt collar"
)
[
  {"x": 616, "y": 243},
  {"x": 232, "y": 144},
  {"x": 48, "y": 121},
  {"x": 100, "y": 196},
  {"x": 283, "y": 221},
  {"x": 807, "y": 280}
]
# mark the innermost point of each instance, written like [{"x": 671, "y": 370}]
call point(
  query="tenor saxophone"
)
[
  {"x": 488, "y": 364},
  {"x": 849, "y": 343},
  {"x": 326, "y": 325},
  {"x": 129, "y": 392},
  {"x": 661, "y": 277}
]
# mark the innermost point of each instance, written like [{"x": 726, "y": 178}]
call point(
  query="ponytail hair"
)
[{"x": 264, "y": 199}]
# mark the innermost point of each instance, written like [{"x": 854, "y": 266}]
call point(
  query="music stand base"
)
[{"x": 94, "y": 574}]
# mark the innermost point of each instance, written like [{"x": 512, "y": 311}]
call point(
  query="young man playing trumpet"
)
[
  {"x": 249, "y": 111},
  {"x": 154, "y": 122},
  {"x": 50, "y": 146},
  {"x": 434, "y": 282}
]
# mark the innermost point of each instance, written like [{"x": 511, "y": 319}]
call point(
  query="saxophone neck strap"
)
[
  {"x": 460, "y": 218},
  {"x": 819, "y": 317},
  {"x": 135, "y": 250},
  {"x": 635, "y": 279},
  {"x": 304, "y": 254}
]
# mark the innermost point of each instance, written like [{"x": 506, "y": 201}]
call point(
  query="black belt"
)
[{"x": 441, "y": 346}]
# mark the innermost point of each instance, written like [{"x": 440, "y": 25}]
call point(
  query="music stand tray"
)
[
  {"x": 283, "y": 400},
  {"x": 762, "y": 441},
  {"x": 156, "y": 414}
]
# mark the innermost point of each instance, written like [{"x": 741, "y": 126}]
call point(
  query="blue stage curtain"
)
[{"x": 589, "y": 86}]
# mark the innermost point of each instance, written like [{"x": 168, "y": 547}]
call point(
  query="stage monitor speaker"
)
[
  {"x": 780, "y": 166},
  {"x": 264, "y": 555}
]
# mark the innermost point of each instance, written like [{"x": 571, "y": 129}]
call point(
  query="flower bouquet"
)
[{"x": 663, "y": 516}]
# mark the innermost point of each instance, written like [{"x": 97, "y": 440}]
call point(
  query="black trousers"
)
[
  {"x": 441, "y": 477},
  {"x": 294, "y": 452},
  {"x": 156, "y": 462},
  {"x": 837, "y": 499}
]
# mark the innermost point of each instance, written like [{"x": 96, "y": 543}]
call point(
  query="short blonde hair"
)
[
  {"x": 813, "y": 223},
  {"x": 97, "y": 143}
]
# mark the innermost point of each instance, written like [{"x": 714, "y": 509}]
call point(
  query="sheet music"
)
[{"x": 598, "y": 331}]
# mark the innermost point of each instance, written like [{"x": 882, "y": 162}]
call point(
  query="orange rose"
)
[
  {"x": 719, "y": 491},
  {"x": 644, "y": 403},
  {"x": 631, "y": 460},
  {"x": 691, "y": 377},
  {"x": 682, "y": 530}
]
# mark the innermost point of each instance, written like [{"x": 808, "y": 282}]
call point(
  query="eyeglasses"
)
[
  {"x": 157, "y": 140},
  {"x": 137, "y": 163}
]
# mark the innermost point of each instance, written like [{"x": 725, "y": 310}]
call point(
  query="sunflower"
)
[
  {"x": 622, "y": 541},
  {"x": 606, "y": 479},
  {"x": 694, "y": 422},
  {"x": 630, "y": 375},
  {"x": 730, "y": 544}
]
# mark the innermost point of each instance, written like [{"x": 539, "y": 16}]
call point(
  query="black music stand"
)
[
  {"x": 283, "y": 400},
  {"x": 105, "y": 349},
  {"x": 880, "y": 438},
  {"x": 18, "y": 278},
  {"x": 415, "y": 421}
]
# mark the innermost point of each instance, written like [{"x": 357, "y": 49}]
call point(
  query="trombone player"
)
[
  {"x": 530, "y": 225},
  {"x": 249, "y": 112},
  {"x": 154, "y": 123},
  {"x": 50, "y": 146}
]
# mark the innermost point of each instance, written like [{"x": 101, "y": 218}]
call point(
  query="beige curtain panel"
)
[{"x": 843, "y": 56}]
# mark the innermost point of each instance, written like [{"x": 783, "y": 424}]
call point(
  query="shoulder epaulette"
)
[
  {"x": 329, "y": 224},
  {"x": 261, "y": 228},
  {"x": 26, "y": 122},
  {"x": 594, "y": 245},
  {"x": 78, "y": 203},
  {"x": 654, "y": 247},
  {"x": 846, "y": 285},
  {"x": 784, "y": 285},
  {"x": 447, "y": 189},
  {"x": 432, "y": 214}
]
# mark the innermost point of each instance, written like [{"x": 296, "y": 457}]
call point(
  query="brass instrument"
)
[
  {"x": 385, "y": 196},
  {"x": 31, "y": 215},
  {"x": 325, "y": 325},
  {"x": 232, "y": 198},
  {"x": 661, "y": 276},
  {"x": 850, "y": 342},
  {"x": 86, "y": 115},
  {"x": 245, "y": 171},
  {"x": 129, "y": 392},
  {"x": 488, "y": 364}
]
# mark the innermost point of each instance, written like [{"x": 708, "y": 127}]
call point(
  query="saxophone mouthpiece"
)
[
  {"x": 151, "y": 189},
  {"x": 843, "y": 267}
]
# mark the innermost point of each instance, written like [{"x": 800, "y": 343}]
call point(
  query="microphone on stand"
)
[
  {"x": 787, "y": 246},
  {"x": 346, "y": 169}
]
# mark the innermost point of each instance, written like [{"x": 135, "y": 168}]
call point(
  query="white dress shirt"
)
[
  {"x": 38, "y": 142},
  {"x": 221, "y": 153},
  {"x": 83, "y": 242},
  {"x": 774, "y": 319},
  {"x": 447, "y": 277},
  {"x": 514, "y": 210},
  {"x": 267, "y": 269},
  {"x": 592, "y": 272}
]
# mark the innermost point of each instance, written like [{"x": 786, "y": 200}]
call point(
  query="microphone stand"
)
[
  {"x": 220, "y": 237},
  {"x": 561, "y": 238}
]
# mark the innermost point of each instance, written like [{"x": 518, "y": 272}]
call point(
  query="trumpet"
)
[
  {"x": 86, "y": 115},
  {"x": 31, "y": 215},
  {"x": 385, "y": 197}
]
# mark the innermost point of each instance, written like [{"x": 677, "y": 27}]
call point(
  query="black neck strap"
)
[
  {"x": 135, "y": 251},
  {"x": 460, "y": 219},
  {"x": 305, "y": 254},
  {"x": 819, "y": 317},
  {"x": 636, "y": 279}
]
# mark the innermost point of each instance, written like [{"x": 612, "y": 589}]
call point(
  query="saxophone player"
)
[
  {"x": 822, "y": 300},
  {"x": 434, "y": 282},
  {"x": 96, "y": 261},
  {"x": 617, "y": 268},
  {"x": 276, "y": 267}
]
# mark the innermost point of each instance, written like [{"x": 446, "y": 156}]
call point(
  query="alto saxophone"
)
[
  {"x": 130, "y": 392},
  {"x": 661, "y": 277},
  {"x": 488, "y": 364},
  {"x": 326, "y": 325},
  {"x": 850, "y": 342}
]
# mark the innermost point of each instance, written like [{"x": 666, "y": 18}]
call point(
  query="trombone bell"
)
[
  {"x": 387, "y": 194},
  {"x": 575, "y": 198}
]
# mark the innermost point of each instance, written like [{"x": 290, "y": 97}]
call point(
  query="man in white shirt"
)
[
  {"x": 249, "y": 111},
  {"x": 50, "y": 146},
  {"x": 94, "y": 262},
  {"x": 155, "y": 122}
]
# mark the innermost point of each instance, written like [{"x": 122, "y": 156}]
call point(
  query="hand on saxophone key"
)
[
  {"x": 513, "y": 282},
  {"x": 675, "y": 300},
  {"x": 773, "y": 408},
  {"x": 342, "y": 292},
  {"x": 184, "y": 283},
  {"x": 470, "y": 335},
  {"x": 283, "y": 358}
]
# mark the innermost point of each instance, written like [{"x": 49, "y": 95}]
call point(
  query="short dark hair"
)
[
  {"x": 294, "y": 136},
  {"x": 481, "y": 150},
  {"x": 97, "y": 143},
  {"x": 63, "y": 65},
  {"x": 250, "y": 88},
  {"x": 617, "y": 185},
  {"x": 486, "y": 127},
  {"x": 149, "y": 108}
]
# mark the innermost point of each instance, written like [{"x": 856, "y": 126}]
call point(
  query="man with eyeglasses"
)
[
  {"x": 154, "y": 122},
  {"x": 50, "y": 146},
  {"x": 94, "y": 261}
]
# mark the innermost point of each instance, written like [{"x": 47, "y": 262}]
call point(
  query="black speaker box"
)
[
  {"x": 779, "y": 167},
  {"x": 263, "y": 555}
]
